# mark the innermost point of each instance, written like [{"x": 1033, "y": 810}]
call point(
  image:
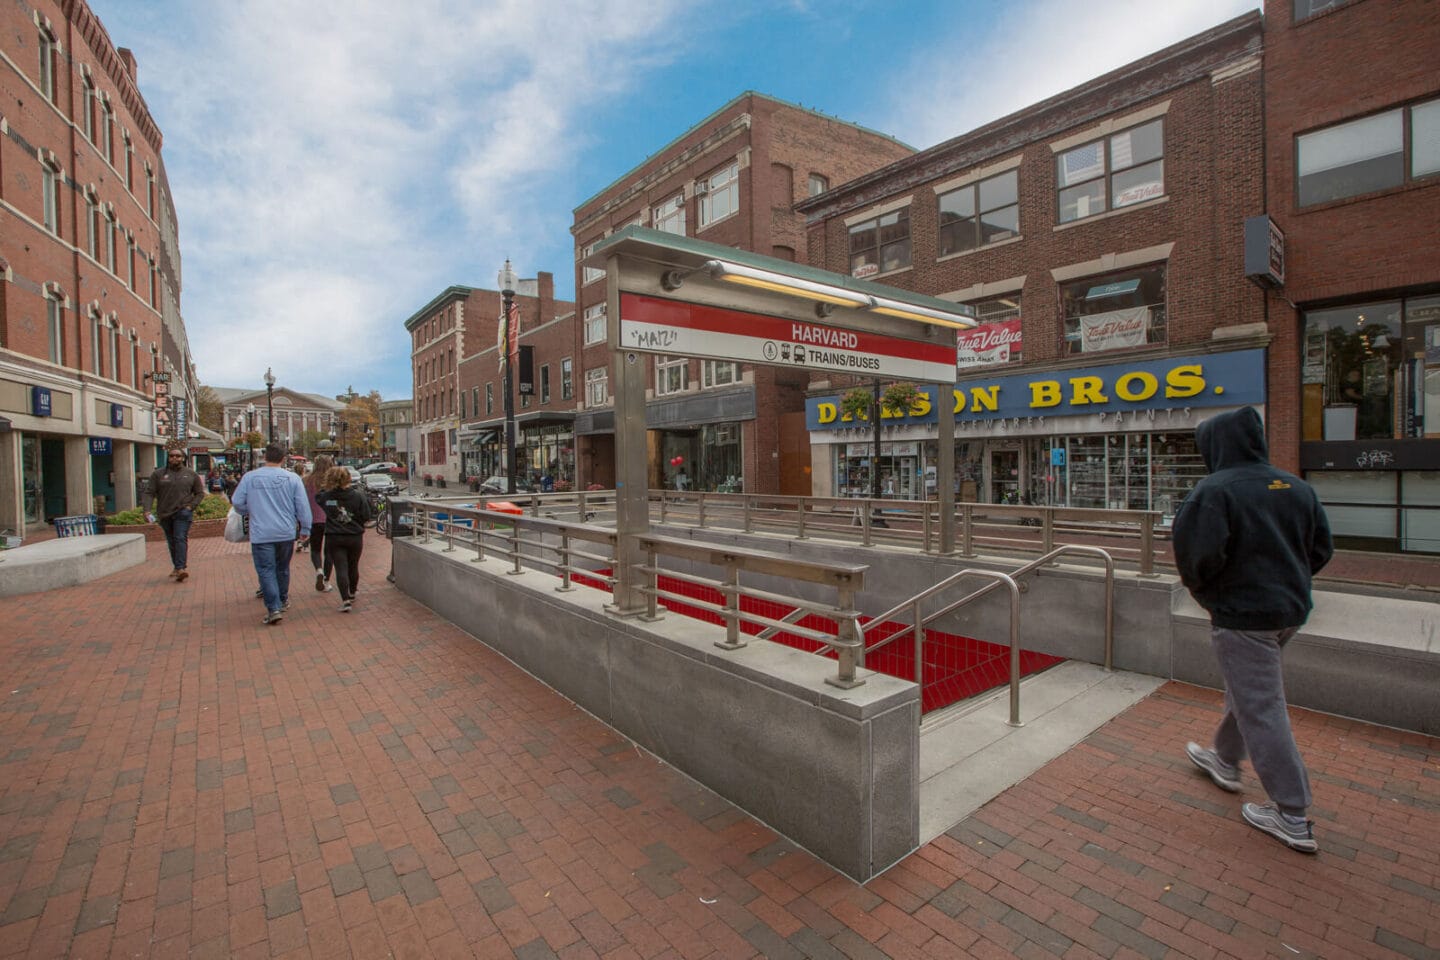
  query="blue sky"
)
[{"x": 338, "y": 163}]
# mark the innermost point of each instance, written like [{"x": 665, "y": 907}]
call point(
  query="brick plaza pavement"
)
[{"x": 178, "y": 780}]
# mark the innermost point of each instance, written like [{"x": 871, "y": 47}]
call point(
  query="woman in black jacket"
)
[{"x": 346, "y": 512}]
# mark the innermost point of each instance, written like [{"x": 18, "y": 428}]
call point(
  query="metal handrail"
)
[{"x": 919, "y": 620}]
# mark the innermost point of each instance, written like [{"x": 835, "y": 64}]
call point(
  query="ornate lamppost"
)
[
  {"x": 250, "y": 421},
  {"x": 506, "y": 282},
  {"x": 270, "y": 401}
]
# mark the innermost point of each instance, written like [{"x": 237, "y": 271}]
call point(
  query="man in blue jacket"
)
[
  {"x": 1247, "y": 540},
  {"x": 276, "y": 502}
]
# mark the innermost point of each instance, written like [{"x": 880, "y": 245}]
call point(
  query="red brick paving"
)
[{"x": 177, "y": 779}]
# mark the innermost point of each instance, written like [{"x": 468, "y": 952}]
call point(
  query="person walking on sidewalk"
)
[
  {"x": 1247, "y": 541},
  {"x": 347, "y": 510},
  {"x": 314, "y": 483},
  {"x": 174, "y": 491},
  {"x": 275, "y": 501}
]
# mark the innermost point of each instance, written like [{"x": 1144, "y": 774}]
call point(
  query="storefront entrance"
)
[{"x": 1005, "y": 476}]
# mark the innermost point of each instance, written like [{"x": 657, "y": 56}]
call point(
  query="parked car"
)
[
  {"x": 355, "y": 478},
  {"x": 384, "y": 467},
  {"x": 381, "y": 483}
]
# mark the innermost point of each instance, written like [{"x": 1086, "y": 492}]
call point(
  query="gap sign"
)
[{"x": 653, "y": 325}]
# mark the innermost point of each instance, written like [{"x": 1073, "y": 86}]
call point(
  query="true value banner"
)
[
  {"x": 653, "y": 325},
  {"x": 1117, "y": 328},
  {"x": 987, "y": 343}
]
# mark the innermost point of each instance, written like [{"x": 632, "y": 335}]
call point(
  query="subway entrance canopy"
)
[{"x": 674, "y": 295}]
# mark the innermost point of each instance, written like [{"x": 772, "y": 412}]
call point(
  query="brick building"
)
[
  {"x": 1097, "y": 234},
  {"x": 733, "y": 178},
  {"x": 89, "y": 272},
  {"x": 1353, "y": 180},
  {"x": 458, "y": 401}
]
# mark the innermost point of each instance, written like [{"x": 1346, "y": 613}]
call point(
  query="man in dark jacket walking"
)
[
  {"x": 1247, "y": 540},
  {"x": 174, "y": 491}
]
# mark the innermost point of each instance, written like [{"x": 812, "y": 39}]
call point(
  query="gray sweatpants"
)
[{"x": 1256, "y": 720}]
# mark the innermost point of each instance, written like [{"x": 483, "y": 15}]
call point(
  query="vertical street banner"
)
[{"x": 163, "y": 424}]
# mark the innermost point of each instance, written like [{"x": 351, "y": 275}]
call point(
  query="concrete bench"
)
[{"x": 67, "y": 562}]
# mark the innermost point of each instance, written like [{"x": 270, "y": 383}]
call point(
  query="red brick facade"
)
[
  {"x": 776, "y": 148},
  {"x": 86, "y": 222}
]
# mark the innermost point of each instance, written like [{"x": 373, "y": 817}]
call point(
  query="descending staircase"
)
[{"x": 956, "y": 668}]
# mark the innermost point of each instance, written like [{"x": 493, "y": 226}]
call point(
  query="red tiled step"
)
[{"x": 956, "y": 667}]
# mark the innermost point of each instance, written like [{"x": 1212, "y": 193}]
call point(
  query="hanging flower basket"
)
[
  {"x": 855, "y": 405},
  {"x": 901, "y": 397}
]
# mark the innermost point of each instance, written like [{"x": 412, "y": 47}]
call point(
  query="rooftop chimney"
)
[{"x": 128, "y": 59}]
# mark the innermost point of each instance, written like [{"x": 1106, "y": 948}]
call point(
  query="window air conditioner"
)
[{"x": 702, "y": 188}]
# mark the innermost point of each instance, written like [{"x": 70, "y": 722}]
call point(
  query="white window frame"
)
[
  {"x": 50, "y": 196},
  {"x": 110, "y": 227},
  {"x": 596, "y": 329},
  {"x": 597, "y": 386},
  {"x": 719, "y": 373},
  {"x": 135, "y": 362},
  {"x": 97, "y": 354},
  {"x": 48, "y": 48},
  {"x": 719, "y": 194},
  {"x": 92, "y": 225},
  {"x": 489, "y": 399},
  {"x": 672, "y": 375},
  {"x": 114, "y": 353},
  {"x": 567, "y": 379},
  {"x": 55, "y": 327},
  {"x": 590, "y": 274},
  {"x": 89, "y": 107},
  {"x": 669, "y": 215},
  {"x": 545, "y": 383},
  {"x": 1112, "y": 163},
  {"x": 817, "y": 184}
]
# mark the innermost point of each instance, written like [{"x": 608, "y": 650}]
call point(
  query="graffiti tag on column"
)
[
  {"x": 1374, "y": 458},
  {"x": 654, "y": 339}
]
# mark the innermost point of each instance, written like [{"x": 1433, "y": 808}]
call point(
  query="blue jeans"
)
[
  {"x": 272, "y": 566},
  {"x": 177, "y": 536}
]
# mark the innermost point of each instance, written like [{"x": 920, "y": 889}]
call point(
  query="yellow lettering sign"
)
[
  {"x": 1186, "y": 381},
  {"x": 1045, "y": 393},
  {"x": 1136, "y": 386},
  {"x": 826, "y": 412},
  {"x": 1084, "y": 390}
]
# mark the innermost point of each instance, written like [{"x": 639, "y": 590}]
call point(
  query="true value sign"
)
[{"x": 653, "y": 325}]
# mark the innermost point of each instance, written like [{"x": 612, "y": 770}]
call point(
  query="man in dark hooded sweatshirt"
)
[{"x": 1247, "y": 539}]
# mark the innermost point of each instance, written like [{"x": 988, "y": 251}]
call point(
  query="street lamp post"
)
[
  {"x": 506, "y": 282},
  {"x": 270, "y": 401},
  {"x": 250, "y": 422}
]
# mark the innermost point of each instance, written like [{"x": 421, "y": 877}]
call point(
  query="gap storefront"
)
[{"x": 1118, "y": 436}]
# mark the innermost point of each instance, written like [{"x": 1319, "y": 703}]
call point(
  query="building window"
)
[
  {"x": 135, "y": 364},
  {"x": 818, "y": 184},
  {"x": 719, "y": 194},
  {"x": 1305, "y": 9},
  {"x": 114, "y": 353},
  {"x": 154, "y": 286},
  {"x": 595, "y": 324},
  {"x": 880, "y": 245},
  {"x": 980, "y": 213},
  {"x": 50, "y": 196},
  {"x": 474, "y": 401},
  {"x": 567, "y": 388},
  {"x": 110, "y": 227},
  {"x": 129, "y": 162},
  {"x": 107, "y": 131},
  {"x": 130, "y": 259},
  {"x": 87, "y": 105},
  {"x": 97, "y": 356},
  {"x": 718, "y": 373},
  {"x": 1365, "y": 155},
  {"x": 1112, "y": 172},
  {"x": 670, "y": 215},
  {"x": 1115, "y": 310},
  {"x": 596, "y": 387},
  {"x": 591, "y": 274},
  {"x": 996, "y": 337},
  {"x": 463, "y": 414},
  {"x": 150, "y": 192},
  {"x": 671, "y": 374},
  {"x": 55, "y": 329},
  {"x": 545, "y": 383},
  {"x": 92, "y": 226},
  {"x": 489, "y": 399},
  {"x": 1367, "y": 370},
  {"x": 47, "y": 64}
]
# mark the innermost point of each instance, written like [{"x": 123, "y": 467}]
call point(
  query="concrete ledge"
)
[
  {"x": 834, "y": 770},
  {"x": 1371, "y": 658},
  {"x": 67, "y": 562}
]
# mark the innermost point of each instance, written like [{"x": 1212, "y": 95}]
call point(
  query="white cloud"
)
[
  {"x": 1034, "y": 50},
  {"x": 337, "y": 163}
]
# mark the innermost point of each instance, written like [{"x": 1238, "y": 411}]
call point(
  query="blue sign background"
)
[
  {"x": 40, "y": 401},
  {"x": 99, "y": 446},
  {"x": 1231, "y": 379},
  {"x": 117, "y": 415}
]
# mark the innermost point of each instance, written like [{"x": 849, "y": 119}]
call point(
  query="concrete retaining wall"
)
[
  {"x": 67, "y": 562},
  {"x": 834, "y": 770}
]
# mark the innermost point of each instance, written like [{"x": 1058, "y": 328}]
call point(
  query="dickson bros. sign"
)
[{"x": 1227, "y": 379}]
